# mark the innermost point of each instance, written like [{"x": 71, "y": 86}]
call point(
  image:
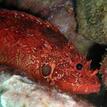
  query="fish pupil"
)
[
  {"x": 46, "y": 70},
  {"x": 79, "y": 66}
]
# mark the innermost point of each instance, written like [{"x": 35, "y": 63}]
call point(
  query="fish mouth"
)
[
  {"x": 79, "y": 88},
  {"x": 87, "y": 89}
]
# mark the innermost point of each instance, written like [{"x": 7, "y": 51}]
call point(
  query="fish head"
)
[
  {"x": 76, "y": 76},
  {"x": 70, "y": 72}
]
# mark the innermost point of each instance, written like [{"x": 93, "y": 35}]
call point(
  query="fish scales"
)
[{"x": 38, "y": 49}]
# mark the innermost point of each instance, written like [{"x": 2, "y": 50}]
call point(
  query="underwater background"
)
[{"x": 88, "y": 18}]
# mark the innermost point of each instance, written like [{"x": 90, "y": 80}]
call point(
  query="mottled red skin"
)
[{"x": 27, "y": 43}]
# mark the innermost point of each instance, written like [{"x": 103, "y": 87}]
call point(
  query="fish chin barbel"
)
[{"x": 38, "y": 49}]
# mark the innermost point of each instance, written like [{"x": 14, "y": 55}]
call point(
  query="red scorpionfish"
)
[{"x": 38, "y": 49}]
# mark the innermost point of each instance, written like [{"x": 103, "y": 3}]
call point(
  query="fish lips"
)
[
  {"x": 87, "y": 89},
  {"x": 80, "y": 88}
]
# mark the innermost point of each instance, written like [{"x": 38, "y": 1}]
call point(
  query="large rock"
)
[{"x": 17, "y": 91}]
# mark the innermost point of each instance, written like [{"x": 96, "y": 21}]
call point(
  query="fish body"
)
[{"x": 37, "y": 48}]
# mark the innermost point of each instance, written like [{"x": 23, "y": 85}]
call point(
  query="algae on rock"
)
[{"x": 92, "y": 19}]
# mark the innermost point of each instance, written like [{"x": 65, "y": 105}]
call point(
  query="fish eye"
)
[
  {"x": 79, "y": 66},
  {"x": 46, "y": 70}
]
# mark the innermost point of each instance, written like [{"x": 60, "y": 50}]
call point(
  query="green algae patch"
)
[{"x": 92, "y": 19}]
